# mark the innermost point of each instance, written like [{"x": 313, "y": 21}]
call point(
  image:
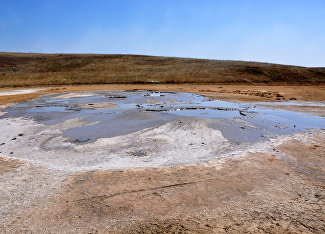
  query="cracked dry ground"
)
[{"x": 261, "y": 192}]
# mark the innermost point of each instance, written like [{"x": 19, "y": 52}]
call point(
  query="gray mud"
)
[
  {"x": 135, "y": 129},
  {"x": 137, "y": 110}
]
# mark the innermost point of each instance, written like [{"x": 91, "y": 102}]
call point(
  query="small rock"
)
[
  {"x": 139, "y": 153},
  {"x": 82, "y": 139},
  {"x": 14, "y": 139},
  {"x": 242, "y": 113}
]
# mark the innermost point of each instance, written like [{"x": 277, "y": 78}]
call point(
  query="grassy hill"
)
[{"x": 24, "y": 69}]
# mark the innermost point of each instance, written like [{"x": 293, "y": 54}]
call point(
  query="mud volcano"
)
[{"x": 131, "y": 129}]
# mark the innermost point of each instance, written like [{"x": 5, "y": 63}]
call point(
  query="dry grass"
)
[{"x": 19, "y": 69}]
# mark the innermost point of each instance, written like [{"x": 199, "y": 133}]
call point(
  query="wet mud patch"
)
[
  {"x": 120, "y": 113},
  {"x": 118, "y": 129}
]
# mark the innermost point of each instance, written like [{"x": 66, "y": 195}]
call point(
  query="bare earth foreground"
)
[{"x": 276, "y": 186}]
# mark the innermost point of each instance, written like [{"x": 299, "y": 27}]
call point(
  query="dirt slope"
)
[{"x": 23, "y": 69}]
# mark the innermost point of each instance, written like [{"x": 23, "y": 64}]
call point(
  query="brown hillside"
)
[{"x": 23, "y": 69}]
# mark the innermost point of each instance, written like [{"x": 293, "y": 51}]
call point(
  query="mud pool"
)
[
  {"x": 137, "y": 110},
  {"x": 131, "y": 129}
]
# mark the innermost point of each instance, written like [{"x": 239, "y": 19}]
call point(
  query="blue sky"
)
[{"x": 286, "y": 31}]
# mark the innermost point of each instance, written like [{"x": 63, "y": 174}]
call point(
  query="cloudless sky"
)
[{"x": 279, "y": 31}]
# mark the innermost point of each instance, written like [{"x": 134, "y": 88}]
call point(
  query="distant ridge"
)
[{"x": 31, "y": 69}]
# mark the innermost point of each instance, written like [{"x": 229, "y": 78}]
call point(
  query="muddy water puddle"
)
[{"x": 113, "y": 113}]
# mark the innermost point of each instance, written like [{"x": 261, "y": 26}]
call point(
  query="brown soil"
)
[
  {"x": 275, "y": 193},
  {"x": 7, "y": 165}
]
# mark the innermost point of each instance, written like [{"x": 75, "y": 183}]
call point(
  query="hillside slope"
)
[{"x": 23, "y": 69}]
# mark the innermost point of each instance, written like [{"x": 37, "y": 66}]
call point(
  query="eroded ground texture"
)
[{"x": 152, "y": 162}]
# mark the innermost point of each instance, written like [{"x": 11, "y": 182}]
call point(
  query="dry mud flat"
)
[{"x": 174, "y": 173}]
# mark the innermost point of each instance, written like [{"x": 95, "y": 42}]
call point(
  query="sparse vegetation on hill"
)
[{"x": 23, "y": 69}]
